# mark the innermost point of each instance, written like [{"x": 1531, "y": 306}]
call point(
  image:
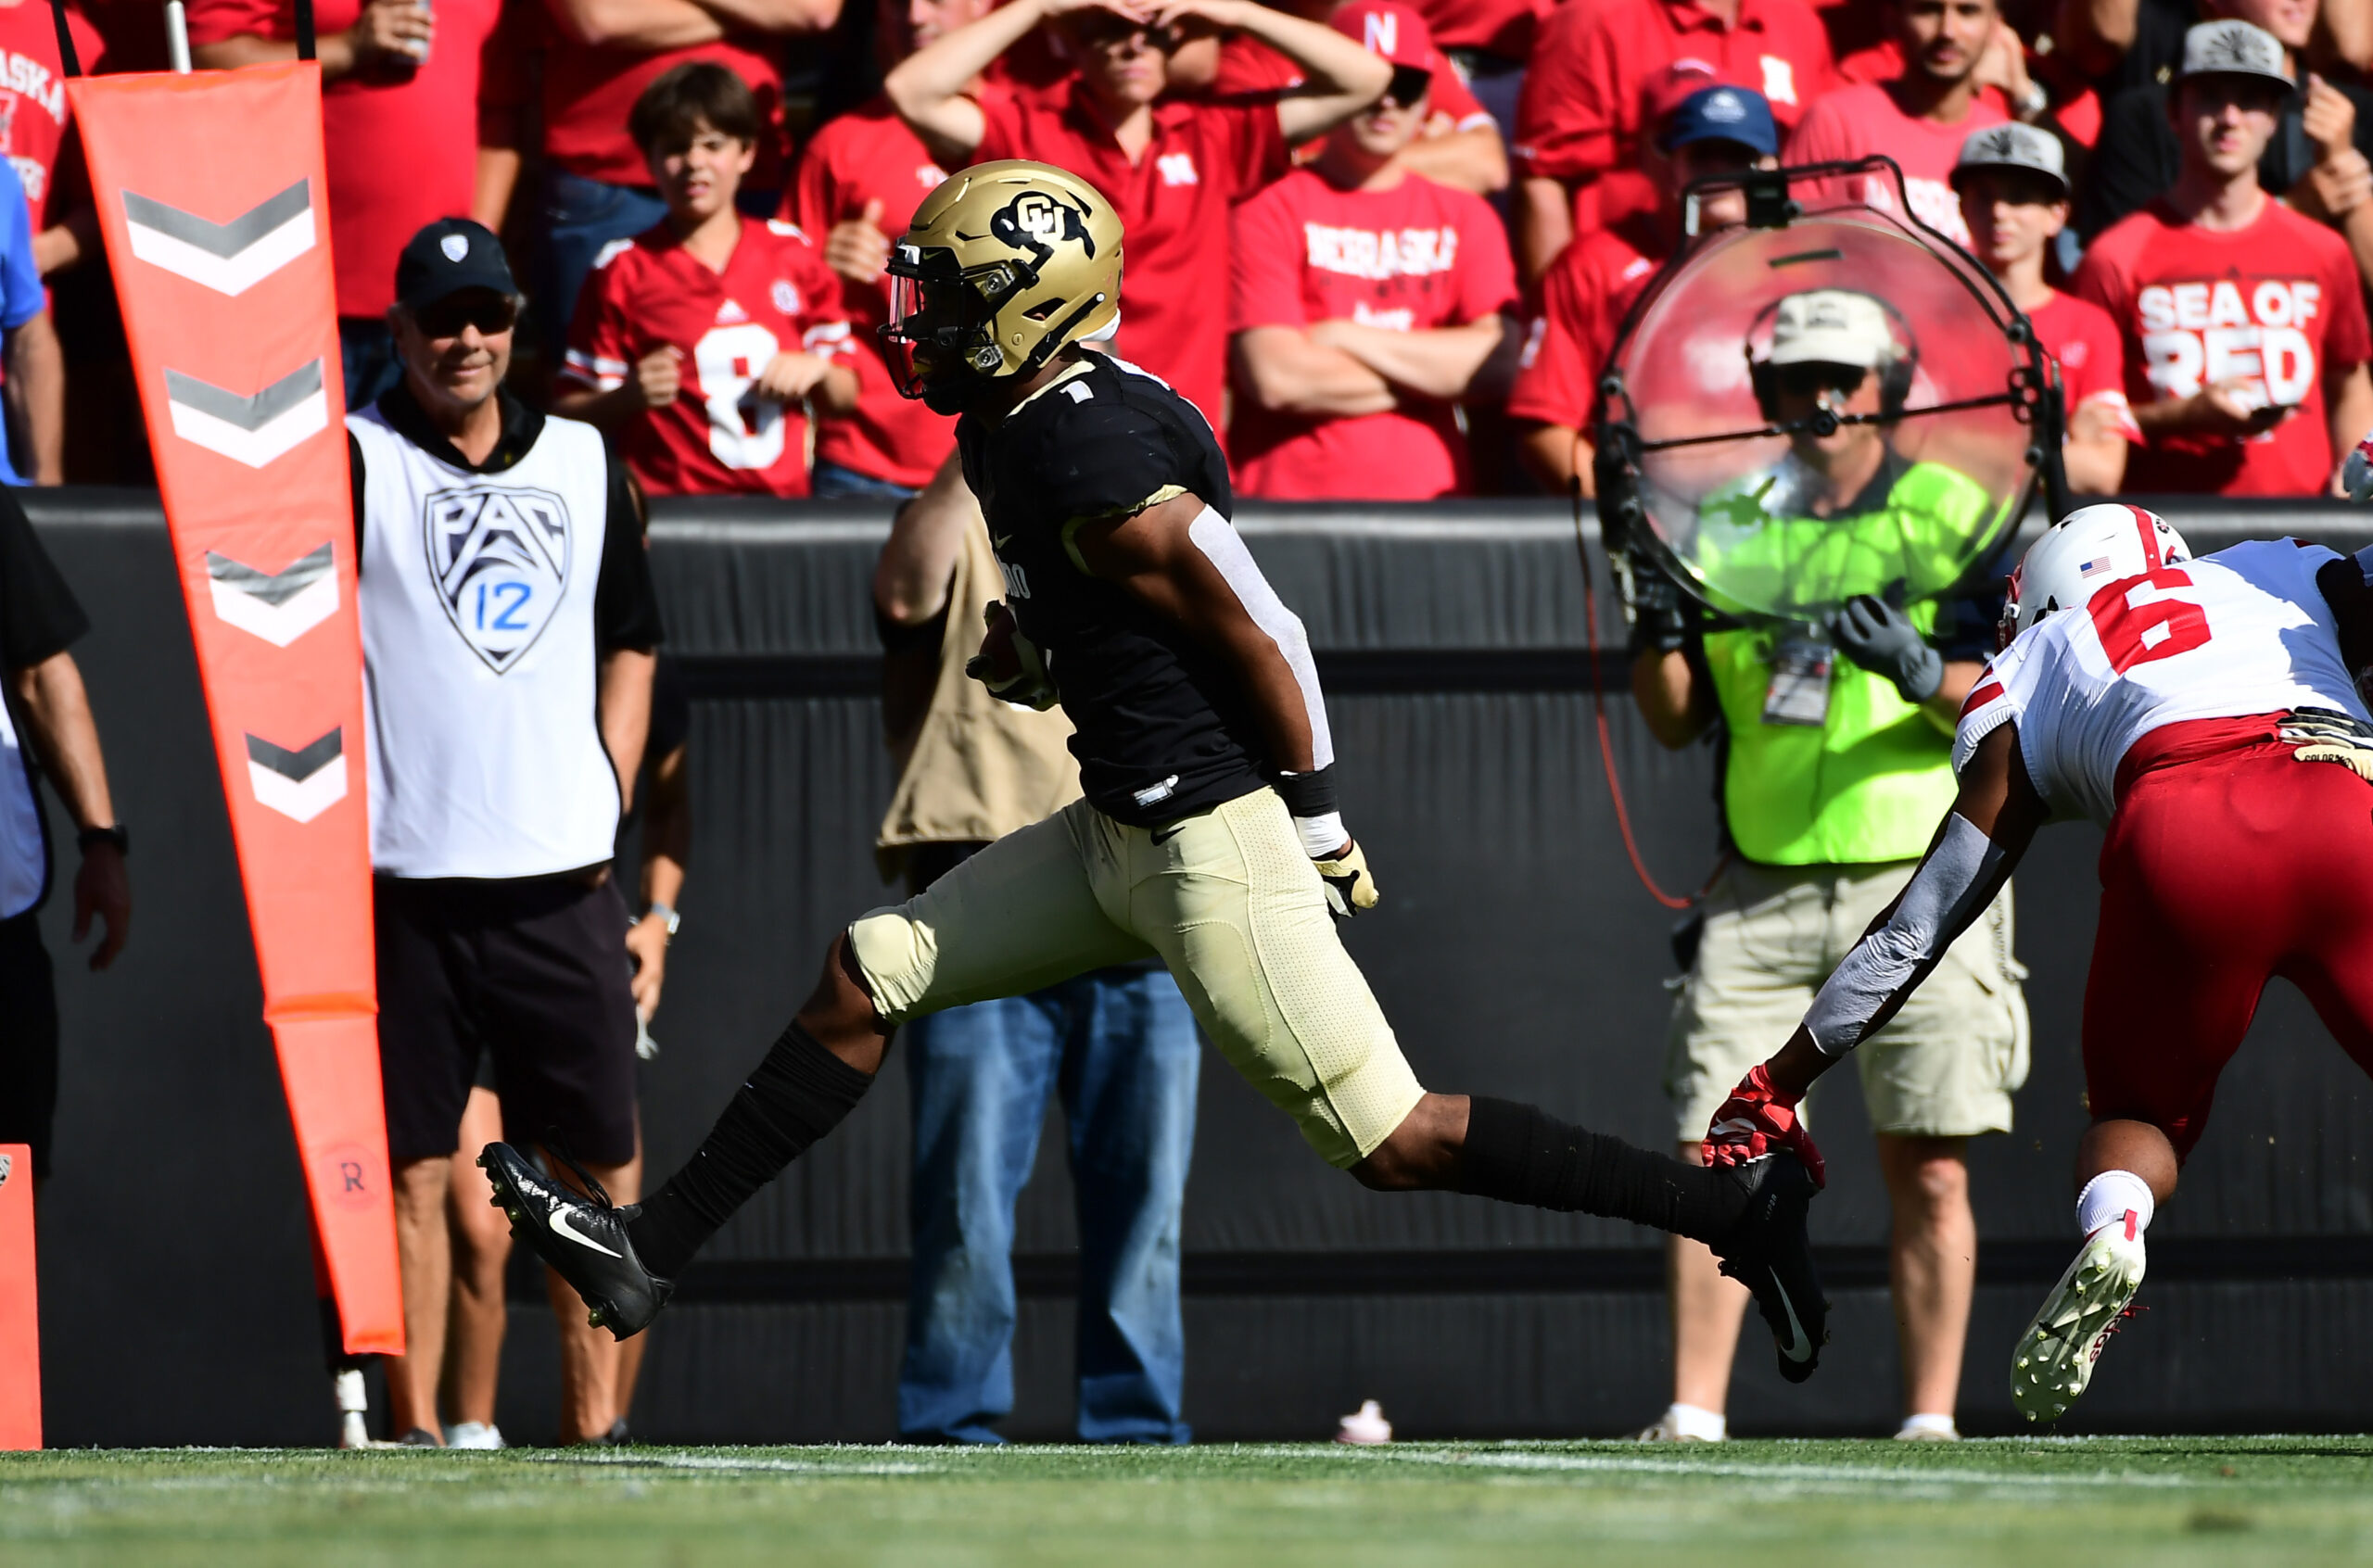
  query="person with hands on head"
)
[
  {"x": 46, "y": 730},
  {"x": 701, "y": 342},
  {"x": 1174, "y": 167},
  {"x": 2166, "y": 699},
  {"x": 1210, "y": 834},
  {"x": 1835, "y": 760},
  {"x": 858, "y": 182},
  {"x": 2215, "y": 256}
]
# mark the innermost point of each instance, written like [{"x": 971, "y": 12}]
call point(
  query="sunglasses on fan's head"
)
[{"x": 1410, "y": 86}]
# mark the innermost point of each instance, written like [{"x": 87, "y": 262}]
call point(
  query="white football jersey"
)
[{"x": 2240, "y": 632}]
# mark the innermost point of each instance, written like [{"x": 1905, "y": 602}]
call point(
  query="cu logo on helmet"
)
[
  {"x": 1038, "y": 222},
  {"x": 1038, "y": 217}
]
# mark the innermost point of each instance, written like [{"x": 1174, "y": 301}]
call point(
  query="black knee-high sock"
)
[
  {"x": 1520, "y": 1155},
  {"x": 799, "y": 1093}
]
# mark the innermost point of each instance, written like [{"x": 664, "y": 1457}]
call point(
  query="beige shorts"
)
[
  {"x": 1945, "y": 1066},
  {"x": 1227, "y": 898}
]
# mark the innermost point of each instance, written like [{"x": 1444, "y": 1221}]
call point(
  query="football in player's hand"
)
[{"x": 999, "y": 663}]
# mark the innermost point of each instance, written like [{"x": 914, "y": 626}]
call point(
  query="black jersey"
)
[{"x": 1163, "y": 729}]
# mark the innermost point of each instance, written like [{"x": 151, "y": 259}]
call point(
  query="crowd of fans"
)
[{"x": 700, "y": 196}]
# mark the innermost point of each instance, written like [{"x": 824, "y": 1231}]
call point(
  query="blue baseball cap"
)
[{"x": 1723, "y": 114}]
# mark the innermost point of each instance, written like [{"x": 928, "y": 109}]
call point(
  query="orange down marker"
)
[{"x": 19, "y": 1304}]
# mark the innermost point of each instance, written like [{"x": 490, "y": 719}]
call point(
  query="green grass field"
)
[{"x": 2292, "y": 1500}]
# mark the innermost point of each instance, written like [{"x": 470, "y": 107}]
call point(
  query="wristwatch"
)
[
  {"x": 115, "y": 835},
  {"x": 665, "y": 914}
]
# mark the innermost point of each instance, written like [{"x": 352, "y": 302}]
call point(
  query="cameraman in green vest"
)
[{"x": 1837, "y": 734}]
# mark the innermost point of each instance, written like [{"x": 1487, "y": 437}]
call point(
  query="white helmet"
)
[{"x": 2090, "y": 548}]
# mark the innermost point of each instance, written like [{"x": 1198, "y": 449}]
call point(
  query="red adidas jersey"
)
[
  {"x": 1583, "y": 301},
  {"x": 33, "y": 97},
  {"x": 865, "y": 156},
  {"x": 716, "y": 438},
  {"x": 1411, "y": 259},
  {"x": 2276, "y": 301}
]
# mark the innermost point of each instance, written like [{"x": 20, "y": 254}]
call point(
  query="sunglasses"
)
[
  {"x": 1109, "y": 31},
  {"x": 491, "y": 313},
  {"x": 1811, "y": 379},
  {"x": 1410, "y": 84}
]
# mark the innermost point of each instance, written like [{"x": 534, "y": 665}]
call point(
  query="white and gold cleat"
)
[{"x": 2054, "y": 1361}]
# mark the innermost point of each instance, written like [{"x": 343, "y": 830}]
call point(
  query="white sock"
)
[
  {"x": 1696, "y": 1420},
  {"x": 1928, "y": 1421},
  {"x": 2109, "y": 1197}
]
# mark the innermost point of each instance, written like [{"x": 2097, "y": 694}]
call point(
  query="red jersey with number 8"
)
[
  {"x": 2241, "y": 632},
  {"x": 719, "y": 438}
]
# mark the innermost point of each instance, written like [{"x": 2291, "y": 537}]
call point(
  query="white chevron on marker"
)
[
  {"x": 279, "y": 606},
  {"x": 303, "y": 783},
  {"x": 228, "y": 257},
  {"x": 252, "y": 429}
]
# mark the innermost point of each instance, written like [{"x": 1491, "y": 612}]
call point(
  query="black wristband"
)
[
  {"x": 115, "y": 835},
  {"x": 1308, "y": 794}
]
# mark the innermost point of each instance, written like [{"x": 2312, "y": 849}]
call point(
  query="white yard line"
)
[{"x": 1905, "y": 1476}]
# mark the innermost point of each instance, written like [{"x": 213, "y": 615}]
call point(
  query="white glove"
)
[
  {"x": 1351, "y": 885},
  {"x": 1010, "y": 665}
]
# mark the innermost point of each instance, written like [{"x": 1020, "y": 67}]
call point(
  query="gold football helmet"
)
[{"x": 1003, "y": 264}]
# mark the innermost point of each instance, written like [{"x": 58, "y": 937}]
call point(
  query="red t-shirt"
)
[
  {"x": 400, "y": 155},
  {"x": 864, "y": 156},
  {"x": 1249, "y": 67},
  {"x": 33, "y": 97},
  {"x": 1173, "y": 204},
  {"x": 1861, "y": 120},
  {"x": 775, "y": 293},
  {"x": 591, "y": 89},
  {"x": 1583, "y": 301},
  {"x": 2082, "y": 341},
  {"x": 1496, "y": 27},
  {"x": 2276, "y": 301},
  {"x": 1417, "y": 257},
  {"x": 1579, "y": 115}
]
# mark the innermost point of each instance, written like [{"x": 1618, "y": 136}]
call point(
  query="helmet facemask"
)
[{"x": 940, "y": 336}]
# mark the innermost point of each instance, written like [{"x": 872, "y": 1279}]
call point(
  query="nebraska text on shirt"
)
[
  {"x": 1394, "y": 253},
  {"x": 29, "y": 78},
  {"x": 2198, "y": 334}
]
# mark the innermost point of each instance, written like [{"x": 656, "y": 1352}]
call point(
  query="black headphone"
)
[{"x": 1895, "y": 377}]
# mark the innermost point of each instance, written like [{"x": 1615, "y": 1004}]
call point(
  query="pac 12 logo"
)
[{"x": 500, "y": 557}]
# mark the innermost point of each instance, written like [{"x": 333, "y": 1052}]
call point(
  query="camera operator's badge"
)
[
  {"x": 500, "y": 557},
  {"x": 1798, "y": 694}
]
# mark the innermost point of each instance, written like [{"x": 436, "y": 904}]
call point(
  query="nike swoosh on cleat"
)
[
  {"x": 1800, "y": 1348},
  {"x": 560, "y": 1224}
]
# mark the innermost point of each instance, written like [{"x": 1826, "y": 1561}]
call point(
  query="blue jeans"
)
[
  {"x": 368, "y": 348},
  {"x": 580, "y": 216},
  {"x": 1121, "y": 1047},
  {"x": 831, "y": 481}
]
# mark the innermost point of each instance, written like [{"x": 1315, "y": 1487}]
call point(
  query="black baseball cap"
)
[{"x": 447, "y": 256}]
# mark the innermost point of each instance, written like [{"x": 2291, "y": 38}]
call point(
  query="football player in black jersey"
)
[{"x": 1208, "y": 834}]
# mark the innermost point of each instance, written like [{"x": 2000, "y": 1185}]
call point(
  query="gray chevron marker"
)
[
  {"x": 300, "y": 765},
  {"x": 250, "y": 414},
  {"x": 274, "y": 588},
  {"x": 222, "y": 240}
]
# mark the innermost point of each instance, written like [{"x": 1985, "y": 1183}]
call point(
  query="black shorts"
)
[
  {"x": 28, "y": 1038},
  {"x": 531, "y": 973}
]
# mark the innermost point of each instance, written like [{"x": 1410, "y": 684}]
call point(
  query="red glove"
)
[{"x": 1759, "y": 1120}]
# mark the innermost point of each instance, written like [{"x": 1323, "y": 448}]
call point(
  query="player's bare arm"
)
[
  {"x": 1976, "y": 848},
  {"x": 1339, "y": 77}
]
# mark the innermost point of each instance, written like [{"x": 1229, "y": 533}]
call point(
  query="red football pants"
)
[{"x": 2228, "y": 863}]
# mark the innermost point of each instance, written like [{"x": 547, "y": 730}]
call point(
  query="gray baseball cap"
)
[
  {"x": 2233, "y": 48},
  {"x": 2013, "y": 145}
]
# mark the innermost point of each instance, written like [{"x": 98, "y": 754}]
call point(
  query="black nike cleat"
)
[
  {"x": 584, "y": 1242},
  {"x": 1769, "y": 1252}
]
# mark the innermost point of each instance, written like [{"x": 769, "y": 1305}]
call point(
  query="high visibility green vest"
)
[{"x": 1871, "y": 783}]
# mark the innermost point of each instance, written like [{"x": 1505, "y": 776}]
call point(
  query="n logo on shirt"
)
[
  {"x": 500, "y": 558},
  {"x": 1779, "y": 79},
  {"x": 1178, "y": 169}
]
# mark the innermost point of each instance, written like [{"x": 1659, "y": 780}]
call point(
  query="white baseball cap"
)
[
  {"x": 2012, "y": 146},
  {"x": 1832, "y": 326},
  {"x": 2233, "y": 47}
]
